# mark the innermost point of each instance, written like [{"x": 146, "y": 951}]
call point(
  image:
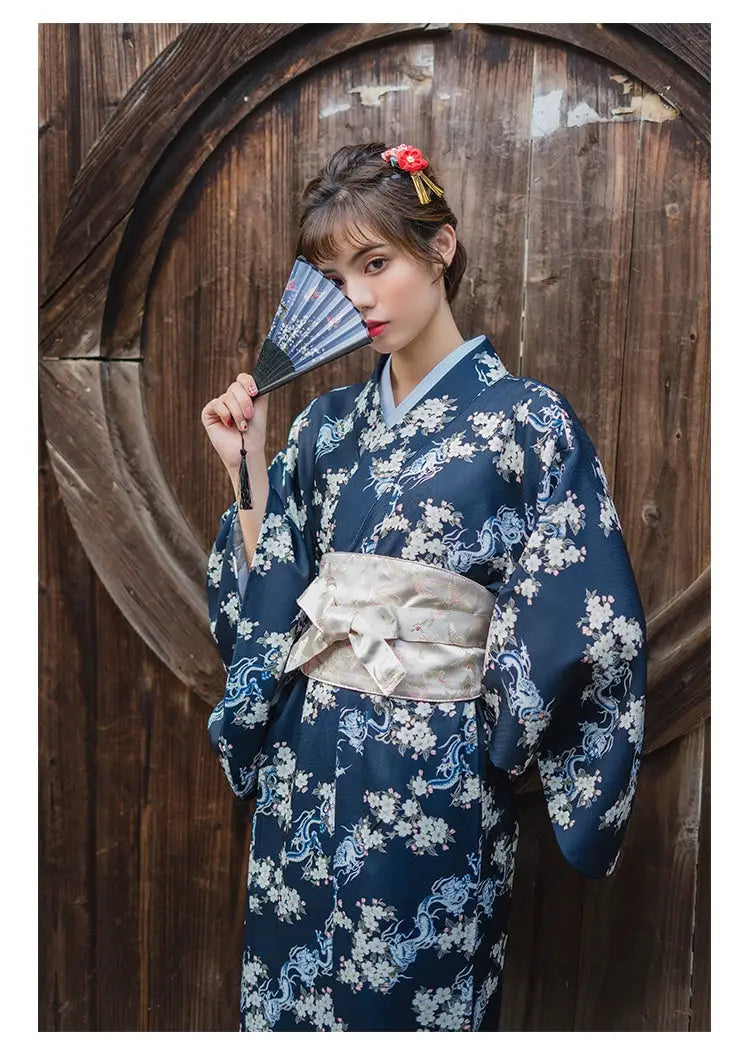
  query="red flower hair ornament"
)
[{"x": 412, "y": 161}]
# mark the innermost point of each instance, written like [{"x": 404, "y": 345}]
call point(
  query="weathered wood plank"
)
[
  {"x": 113, "y": 55},
  {"x": 664, "y": 436},
  {"x": 691, "y": 41},
  {"x": 679, "y": 664},
  {"x": 700, "y": 1020},
  {"x": 678, "y": 86},
  {"x": 71, "y": 323},
  {"x": 580, "y": 211},
  {"x": 67, "y": 793},
  {"x": 112, "y": 483},
  {"x": 637, "y": 930},
  {"x": 483, "y": 157},
  {"x": 544, "y": 934},
  {"x": 59, "y": 149},
  {"x": 171, "y": 861}
]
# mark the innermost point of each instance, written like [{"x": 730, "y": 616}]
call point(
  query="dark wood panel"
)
[
  {"x": 121, "y": 505},
  {"x": 67, "y": 791},
  {"x": 544, "y": 932},
  {"x": 638, "y": 925},
  {"x": 70, "y": 326},
  {"x": 673, "y": 84},
  {"x": 691, "y": 41},
  {"x": 171, "y": 858},
  {"x": 113, "y": 55},
  {"x": 679, "y": 664},
  {"x": 580, "y": 212},
  {"x": 483, "y": 157},
  {"x": 663, "y": 456},
  {"x": 59, "y": 146},
  {"x": 700, "y": 1020}
]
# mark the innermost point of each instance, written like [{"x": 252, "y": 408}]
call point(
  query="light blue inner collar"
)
[{"x": 393, "y": 414}]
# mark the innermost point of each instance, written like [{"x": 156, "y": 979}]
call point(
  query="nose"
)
[{"x": 360, "y": 294}]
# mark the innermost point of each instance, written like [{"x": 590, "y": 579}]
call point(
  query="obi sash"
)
[{"x": 392, "y": 626}]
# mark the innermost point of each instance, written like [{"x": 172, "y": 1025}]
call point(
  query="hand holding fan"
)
[{"x": 314, "y": 323}]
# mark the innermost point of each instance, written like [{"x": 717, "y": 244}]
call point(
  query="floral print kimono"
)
[{"x": 384, "y": 834}]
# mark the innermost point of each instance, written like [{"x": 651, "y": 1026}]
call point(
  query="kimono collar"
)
[{"x": 393, "y": 414}]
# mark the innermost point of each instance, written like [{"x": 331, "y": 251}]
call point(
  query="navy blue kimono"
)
[{"x": 384, "y": 834}]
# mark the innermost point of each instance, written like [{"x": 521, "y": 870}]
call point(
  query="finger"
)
[
  {"x": 248, "y": 382},
  {"x": 244, "y": 401},
  {"x": 234, "y": 406},
  {"x": 221, "y": 411}
]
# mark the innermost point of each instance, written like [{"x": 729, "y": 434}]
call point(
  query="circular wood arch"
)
[{"x": 96, "y": 292}]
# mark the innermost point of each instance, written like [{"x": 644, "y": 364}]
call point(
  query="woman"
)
[{"x": 437, "y": 594}]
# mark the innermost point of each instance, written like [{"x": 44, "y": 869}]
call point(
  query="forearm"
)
[{"x": 252, "y": 520}]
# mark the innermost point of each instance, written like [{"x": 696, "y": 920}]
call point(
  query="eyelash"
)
[{"x": 371, "y": 261}]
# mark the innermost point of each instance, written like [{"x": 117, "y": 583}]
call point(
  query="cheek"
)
[{"x": 405, "y": 291}]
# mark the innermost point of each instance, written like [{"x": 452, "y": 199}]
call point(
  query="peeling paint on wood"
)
[
  {"x": 370, "y": 94},
  {"x": 547, "y": 115},
  {"x": 333, "y": 108}
]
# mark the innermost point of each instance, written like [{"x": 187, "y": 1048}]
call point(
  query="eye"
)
[{"x": 382, "y": 260}]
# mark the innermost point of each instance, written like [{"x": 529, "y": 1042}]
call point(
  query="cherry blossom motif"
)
[{"x": 384, "y": 833}]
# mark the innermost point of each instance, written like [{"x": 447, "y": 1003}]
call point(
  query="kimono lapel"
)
[
  {"x": 393, "y": 413},
  {"x": 384, "y": 454},
  {"x": 445, "y": 401}
]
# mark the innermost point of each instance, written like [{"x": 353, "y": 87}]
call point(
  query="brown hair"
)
[{"x": 356, "y": 187}]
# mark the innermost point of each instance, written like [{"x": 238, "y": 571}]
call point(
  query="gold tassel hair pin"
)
[{"x": 412, "y": 161}]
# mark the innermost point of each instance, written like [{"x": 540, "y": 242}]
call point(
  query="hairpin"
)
[{"x": 412, "y": 161}]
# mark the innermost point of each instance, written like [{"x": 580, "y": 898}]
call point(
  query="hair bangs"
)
[{"x": 343, "y": 221}]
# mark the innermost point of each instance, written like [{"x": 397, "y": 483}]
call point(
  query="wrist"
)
[{"x": 255, "y": 460}]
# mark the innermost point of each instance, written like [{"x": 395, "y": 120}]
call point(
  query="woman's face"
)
[{"x": 385, "y": 284}]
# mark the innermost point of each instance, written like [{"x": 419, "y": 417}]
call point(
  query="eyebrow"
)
[{"x": 353, "y": 258}]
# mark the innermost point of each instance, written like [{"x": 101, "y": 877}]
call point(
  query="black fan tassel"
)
[{"x": 246, "y": 500}]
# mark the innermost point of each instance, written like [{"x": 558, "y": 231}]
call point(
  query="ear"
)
[{"x": 444, "y": 242}]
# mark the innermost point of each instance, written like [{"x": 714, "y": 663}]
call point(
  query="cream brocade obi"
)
[{"x": 392, "y": 626}]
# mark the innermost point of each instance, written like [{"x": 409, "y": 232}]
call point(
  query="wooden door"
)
[{"x": 171, "y": 160}]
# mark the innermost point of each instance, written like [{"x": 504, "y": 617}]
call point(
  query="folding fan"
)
[{"x": 314, "y": 323}]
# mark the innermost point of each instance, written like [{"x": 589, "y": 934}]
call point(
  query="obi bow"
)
[{"x": 367, "y": 627}]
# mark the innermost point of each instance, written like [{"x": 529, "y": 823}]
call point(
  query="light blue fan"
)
[{"x": 314, "y": 323}]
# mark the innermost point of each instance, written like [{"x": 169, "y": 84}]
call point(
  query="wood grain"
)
[
  {"x": 690, "y": 40},
  {"x": 580, "y": 208},
  {"x": 186, "y": 149},
  {"x": 700, "y": 979},
  {"x": 544, "y": 934},
  {"x": 679, "y": 86},
  {"x": 67, "y": 790},
  {"x": 663, "y": 455},
  {"x": 636, "y": 940}
]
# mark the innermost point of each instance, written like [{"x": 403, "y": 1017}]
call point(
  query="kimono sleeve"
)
[
  {"x": 253, "y": 612},
  {"x": 565, "y": 665}
]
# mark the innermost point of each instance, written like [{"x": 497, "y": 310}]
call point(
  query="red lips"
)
[{"x": 373, "y": 325}]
